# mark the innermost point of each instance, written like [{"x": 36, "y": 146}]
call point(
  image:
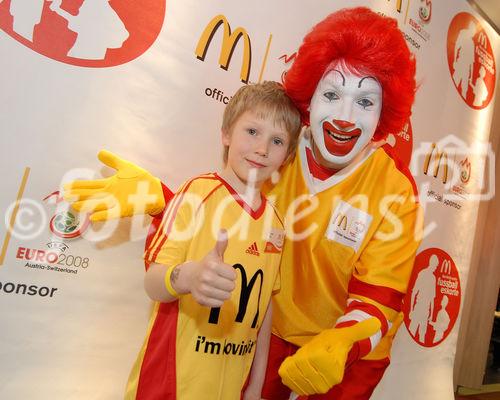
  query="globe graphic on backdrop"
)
[{"x": 66, "y": 222}]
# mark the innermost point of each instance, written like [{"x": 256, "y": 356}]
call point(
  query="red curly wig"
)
[{"x": 367, "y": 43}]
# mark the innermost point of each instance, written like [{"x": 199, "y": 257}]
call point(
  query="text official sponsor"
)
[
  {"x": 437, "y": 165},
  {"x": 27, "y": 289}
]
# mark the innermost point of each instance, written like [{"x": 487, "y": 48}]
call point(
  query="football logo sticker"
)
[
  {"x": 432, "y": 303},
  {"x": 86, "y": 33},
  {"x": 64, "y": 223},
  {"x": 471, "y": 61}
]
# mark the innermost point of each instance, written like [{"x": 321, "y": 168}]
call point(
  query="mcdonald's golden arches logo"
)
[
  {"x": 445, "y": 267},
  {"x": 229, "y": 41},
  {"x": 341, "y": 221},
  {"x": 439, "y": 156}
]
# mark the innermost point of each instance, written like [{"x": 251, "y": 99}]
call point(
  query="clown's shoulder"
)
[{"x": 398, "y": 177}]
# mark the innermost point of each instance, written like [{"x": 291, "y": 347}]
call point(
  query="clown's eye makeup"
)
[
  {"x": 365, "y": 103},
  {"x": 331, "y": 96}
]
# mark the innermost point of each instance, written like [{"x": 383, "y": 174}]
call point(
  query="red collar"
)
[{"x": 316, "y": 169}]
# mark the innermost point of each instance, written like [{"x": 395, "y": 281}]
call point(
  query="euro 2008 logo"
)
[
  {"x": 86, "y": 33},
  {"x": 66, "y": 223}
]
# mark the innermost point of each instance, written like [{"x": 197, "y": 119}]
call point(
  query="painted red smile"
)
[{"x": 339, "y": 142}]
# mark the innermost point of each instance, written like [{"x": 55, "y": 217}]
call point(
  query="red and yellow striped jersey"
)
[
  {"x": 193, "y": 352},
  {"x": 349, "y": 237}
]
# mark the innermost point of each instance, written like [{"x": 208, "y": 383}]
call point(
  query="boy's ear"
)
[{"x": 226, "y": 138}]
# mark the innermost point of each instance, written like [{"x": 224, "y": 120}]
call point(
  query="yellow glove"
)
[
  {"x": 319, "y": 365},
  {"x": 132, "y": 190}
]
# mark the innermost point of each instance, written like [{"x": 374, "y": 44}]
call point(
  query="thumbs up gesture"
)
[{"x": 210, "y": 281}]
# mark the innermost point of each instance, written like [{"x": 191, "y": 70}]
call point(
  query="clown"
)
[{"x": 350, "y": 206}]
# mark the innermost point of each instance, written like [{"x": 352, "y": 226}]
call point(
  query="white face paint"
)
[{"x": 344, "y": 113}]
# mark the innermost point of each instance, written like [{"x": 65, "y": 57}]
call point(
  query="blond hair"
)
[{"x": 267, "y": 99}]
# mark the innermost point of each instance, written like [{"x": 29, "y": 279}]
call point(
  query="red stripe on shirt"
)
[
  {"x": 163, "y": 234},
  {"x": 171, "y": 219},
  {"x": 255, "y": 214},
  {"x": 208, "y": 195},
  {"x": 167, "y": 196},
  {"x": 156, "y": 221},
  {"x": 384, "y": 295},
  {"x": 166, "y": 217},
  {"x": 157, "y": 379},
  {"x": 369, "y": 309},
  {"x": 402, "y": 168}
]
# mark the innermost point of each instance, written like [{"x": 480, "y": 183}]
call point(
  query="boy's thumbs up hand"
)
[
  {"x": 221, "y": 245},
  {"x": 211, "y": 281}
]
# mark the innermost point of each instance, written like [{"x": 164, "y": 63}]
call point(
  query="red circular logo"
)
[
  {"x": 432, "y": 303},
  {"x": 471, "y": 61},
  {"x": 86, "y": 33},
  {"x": 402, "y": 143}
]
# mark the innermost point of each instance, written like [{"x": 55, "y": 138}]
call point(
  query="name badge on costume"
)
[
  {"x": 348, "y": 225},
  {"x": 274, "y": 243}
]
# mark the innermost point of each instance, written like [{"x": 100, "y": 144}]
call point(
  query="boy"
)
[{"x": 219, "y": 246}]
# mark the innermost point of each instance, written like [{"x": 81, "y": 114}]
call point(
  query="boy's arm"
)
[
  {"x": 210, "y": 281},
  {"x": 154, "y": 284},
  {"x": 259, "y": 366}
]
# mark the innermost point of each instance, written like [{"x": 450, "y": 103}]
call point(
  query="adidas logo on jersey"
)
[{"x": 252, "y": 249}]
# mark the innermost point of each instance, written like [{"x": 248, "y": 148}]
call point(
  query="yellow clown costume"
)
[{"x": 350, "y": 246}]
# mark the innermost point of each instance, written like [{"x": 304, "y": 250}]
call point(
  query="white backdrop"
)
[{"x": 86, "y": 75}]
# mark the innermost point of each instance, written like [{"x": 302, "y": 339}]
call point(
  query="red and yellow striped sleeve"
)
[{"x": 381, "y": 274}]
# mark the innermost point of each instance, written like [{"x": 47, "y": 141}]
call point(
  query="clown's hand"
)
[
  {"x": 132, "y": 190},
  {"x": 319, "y": 365}
]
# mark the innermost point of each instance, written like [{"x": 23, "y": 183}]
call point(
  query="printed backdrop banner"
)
[{"x": 148, "y": 80}]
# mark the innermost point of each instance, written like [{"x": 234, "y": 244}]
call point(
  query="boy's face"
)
[
  {"x": 344, "y": 113},
  {"x": 257, "y": 147}
]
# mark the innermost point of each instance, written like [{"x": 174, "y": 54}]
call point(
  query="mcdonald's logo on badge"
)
[
  {"x": 348, "y": 225},
  {"x": 341, "y": 221},
  {"x": 439, "y": 161},
  {"x": 85, "y": 33},
  {"x": 229, "y": 41}
]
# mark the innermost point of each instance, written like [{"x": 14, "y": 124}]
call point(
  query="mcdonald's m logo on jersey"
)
[
  {"x": 440, "y": 160},
  {"x": 229, "y": 41},
  {"x": 341, "y": 221},
  {"x": 246, "y": 291}
]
